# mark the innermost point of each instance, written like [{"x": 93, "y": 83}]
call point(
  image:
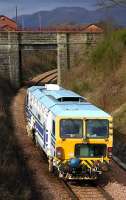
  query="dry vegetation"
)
[
  {"x": 37, "y": 62},
  {"x": 14, "y": 179},
  {"x": 102, "y": 79}
]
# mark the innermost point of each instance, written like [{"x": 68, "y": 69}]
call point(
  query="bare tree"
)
[{"x": 110, "y": 3}]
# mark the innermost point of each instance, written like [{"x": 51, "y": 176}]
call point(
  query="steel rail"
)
[
  {"x": 51, "y": 79},
  {"x": 89, "y": 196},
  {"x": 104, "y": 193},
  {"x": 69, "y": 190},
  {"x": 46, "y": 76},
  {"x": 119, "y": 163},
  {"x": 39, "y": 78}
]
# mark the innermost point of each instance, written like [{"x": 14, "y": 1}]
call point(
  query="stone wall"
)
[
  {"x": 62, "y": 56},
  {"x": 37, "y": 38},
  {"x": 9, "y": 57},
  {"x": 70, "y": 47},
  {"x": 80, "y": 44}
]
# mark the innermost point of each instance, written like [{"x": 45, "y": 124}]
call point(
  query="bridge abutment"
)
[
  {"x": 9, "y": 57},
  {"x": 62, "y": 56}
]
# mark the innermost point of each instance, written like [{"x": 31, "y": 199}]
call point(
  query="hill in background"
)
[{"x": 73, "y": 15}]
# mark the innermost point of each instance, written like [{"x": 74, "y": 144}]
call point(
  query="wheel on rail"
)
[
  {"x": 36, "y": 141},
  {"x": 51, "y": 167},
  {"x": 55, "y": 171},
  {"x": 33, "y": 137}
]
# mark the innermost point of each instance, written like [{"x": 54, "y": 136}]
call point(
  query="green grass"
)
[{"x": 108, "y": 53}]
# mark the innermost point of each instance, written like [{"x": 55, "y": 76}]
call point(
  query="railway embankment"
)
[{"x": 14, "y": 178}]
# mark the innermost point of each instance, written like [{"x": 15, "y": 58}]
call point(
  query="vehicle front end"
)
[{"x": 83, "y": 147}]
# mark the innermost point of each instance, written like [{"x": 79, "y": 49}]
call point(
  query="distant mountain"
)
[{"x": 73, "y": 15}]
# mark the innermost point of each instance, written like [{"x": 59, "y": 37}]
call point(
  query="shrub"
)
[{"x": 107, "y": 54}]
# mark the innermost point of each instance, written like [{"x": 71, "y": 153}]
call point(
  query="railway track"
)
[
  {"x": 86, "y": 191},
  {"x": 50, "y": 79},
  {"x": 47, "y": 77},
  {"x": 119, "y": 163},
  {"x": 91, "y": 190}
]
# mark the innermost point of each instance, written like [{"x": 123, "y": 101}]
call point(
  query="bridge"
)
[{"x": 67, "y": 44}]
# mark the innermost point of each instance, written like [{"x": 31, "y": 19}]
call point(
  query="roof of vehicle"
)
[{"x": 65, "y": 103}]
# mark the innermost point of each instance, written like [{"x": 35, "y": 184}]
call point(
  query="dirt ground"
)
[{"x": 14, "y": 179}]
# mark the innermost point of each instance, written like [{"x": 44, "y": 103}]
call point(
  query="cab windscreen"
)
[
  {"x": 97, "y": 128},
  {"x": 71, "y": 128}
]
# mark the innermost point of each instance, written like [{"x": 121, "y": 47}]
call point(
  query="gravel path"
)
[{"x": 117, "y": 182}]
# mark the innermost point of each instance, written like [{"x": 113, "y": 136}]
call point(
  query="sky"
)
[{"x": 8, "y": 7}]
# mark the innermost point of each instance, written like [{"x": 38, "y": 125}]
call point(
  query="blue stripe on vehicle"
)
[
  {"x": 53, "y": 141},
  {"x": 46, "y": 138},
  {"x": 52, "y": 144},
  {"x": 35, "y": 117},
  {"x": 53, "y": 136},
  {"x": 40, "y": 135},
  {"x": 46, "y": 144},
  {"x": 39, "y": 128}
]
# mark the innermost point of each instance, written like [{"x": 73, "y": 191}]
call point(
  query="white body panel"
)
[{"x": 41, "y": 121}]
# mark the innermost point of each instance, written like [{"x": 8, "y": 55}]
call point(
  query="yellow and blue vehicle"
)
[{"x": 75, "y": 135}]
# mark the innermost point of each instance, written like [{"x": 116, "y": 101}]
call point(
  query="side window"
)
[{"x": 53, "y": 127}]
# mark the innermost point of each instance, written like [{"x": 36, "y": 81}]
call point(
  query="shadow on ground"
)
[{"x": 15, "y": 180}]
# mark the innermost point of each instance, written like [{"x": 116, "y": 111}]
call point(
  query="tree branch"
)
[{"x": 111, "y": 3}]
